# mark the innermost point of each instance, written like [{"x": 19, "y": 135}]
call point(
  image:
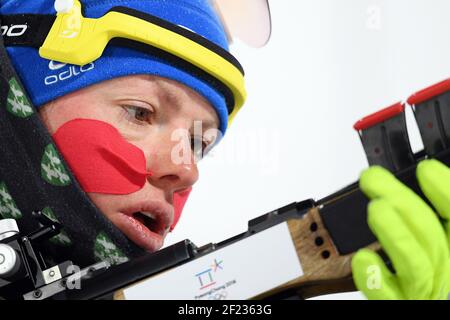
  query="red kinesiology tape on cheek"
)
[
  {"x": 179, "y": 200},
  {"x": 100, "y": 158}
]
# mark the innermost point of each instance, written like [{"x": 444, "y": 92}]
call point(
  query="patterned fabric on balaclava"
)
[{"x": 34, "y": 177}]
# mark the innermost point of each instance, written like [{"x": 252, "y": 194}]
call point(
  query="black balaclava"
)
[{"x": 35, "y": 177}]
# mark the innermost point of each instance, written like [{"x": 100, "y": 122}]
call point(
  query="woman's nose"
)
[{"x": 170, "y": 172}]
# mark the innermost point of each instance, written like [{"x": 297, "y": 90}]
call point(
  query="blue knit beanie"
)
[{"x": 47, "y": 80}]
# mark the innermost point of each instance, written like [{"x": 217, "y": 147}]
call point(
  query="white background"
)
[{"x": 329, "y": 63}]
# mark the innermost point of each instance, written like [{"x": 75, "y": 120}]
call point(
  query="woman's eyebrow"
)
[
  {"x": 172, "y": 99},
  {"x": 208, "y": 124}
]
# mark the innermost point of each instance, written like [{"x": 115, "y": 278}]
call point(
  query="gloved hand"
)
[{"x": 411, "y": 234}]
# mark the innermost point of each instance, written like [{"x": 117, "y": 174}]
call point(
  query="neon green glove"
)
[{"x": 411, "y": 234}]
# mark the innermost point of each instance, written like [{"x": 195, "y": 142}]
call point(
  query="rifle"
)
[{"x": 301, "y": 250}]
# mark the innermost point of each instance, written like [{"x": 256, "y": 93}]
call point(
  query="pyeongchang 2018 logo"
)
[
  {"x": 210, "y": 287},
  {"x": 63, "y": 72},
  {"x": 15, "y": 30},
  {"x": 206, "y": 278}
]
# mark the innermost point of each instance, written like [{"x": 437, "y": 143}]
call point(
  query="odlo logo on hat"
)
[{"x": 65, "y": 72}]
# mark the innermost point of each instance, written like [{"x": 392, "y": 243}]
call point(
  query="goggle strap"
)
[
  {"x": 183, "y": 32},
  {"x": 29, "y": 30}
]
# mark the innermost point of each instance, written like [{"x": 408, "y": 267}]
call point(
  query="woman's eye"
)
[
  {"x": 138, "y": 113},
  {"x": 198, "y": 146}
]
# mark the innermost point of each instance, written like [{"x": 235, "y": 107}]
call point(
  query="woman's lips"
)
[
  {"x": 139, "y": 233},
  {"x": 132, "y": 224}
]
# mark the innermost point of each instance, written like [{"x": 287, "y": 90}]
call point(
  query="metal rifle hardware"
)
[{"x": 30, "y": 271}]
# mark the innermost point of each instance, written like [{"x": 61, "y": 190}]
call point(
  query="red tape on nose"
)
[{"x": 100, "y": 158}]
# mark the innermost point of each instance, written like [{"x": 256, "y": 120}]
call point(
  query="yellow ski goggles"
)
[{"x": 71, "y": 38}]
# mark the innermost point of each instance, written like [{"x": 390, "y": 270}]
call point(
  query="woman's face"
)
[{"x": 147, "y": 111}]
